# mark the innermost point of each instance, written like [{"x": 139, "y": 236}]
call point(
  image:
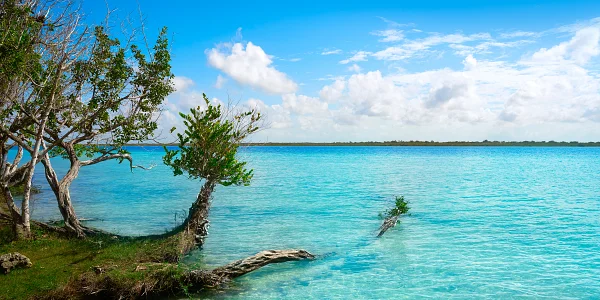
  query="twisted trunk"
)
[
  {"x": 61, "y": 191},
  {"x": 195, "y": 227}
]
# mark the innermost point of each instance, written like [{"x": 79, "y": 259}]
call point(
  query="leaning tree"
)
[{"x": 207, "y": 151}]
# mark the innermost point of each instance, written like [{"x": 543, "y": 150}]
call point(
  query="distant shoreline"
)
[{"x": 420, "y": 144}]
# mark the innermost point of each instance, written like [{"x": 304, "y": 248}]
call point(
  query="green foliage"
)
[
  {"x": 124, "y": 90},
  {"x": 207, "y": 149},
  {"x": 400, "y": 208},
  {"x": 19, "y": 32}
]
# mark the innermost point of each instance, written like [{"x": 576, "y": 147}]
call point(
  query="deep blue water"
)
[{"x": 486, "y": 222}]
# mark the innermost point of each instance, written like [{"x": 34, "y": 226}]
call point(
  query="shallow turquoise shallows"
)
[{"x": 486, "y": 222}]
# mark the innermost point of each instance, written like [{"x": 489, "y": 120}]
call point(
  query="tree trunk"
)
[
  {"x": 39, "y": 138},
  {"x": 195, "y": 227},
  {"x": 61, "y": 191},
  {"x": 199, "y": 279},
  {"x": 18, "y": 226}
]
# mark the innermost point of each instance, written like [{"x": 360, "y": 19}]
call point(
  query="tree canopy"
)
[{"x": 207, "y": 148}]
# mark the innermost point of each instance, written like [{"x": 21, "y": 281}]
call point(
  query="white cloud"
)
[
  {"x": 330, "y": 52},
  {"x": 470, "y": 62},
  {"x": 443, "y": 94},
  {"x": 303, "y": 105},
  {"x": 333, "y": 92},
  {"x": 582, "y": 47},
  {"x": 295, "y": 59},
  {"x": 251, "y": 66},
  {"x": 276, "y": 116},
  {"x": 395, "y": 24},
  {"x": 389, "y": 35},
  {"x": 412, "y": 48},
  {"x": 220, "y": 81},
  {"x": 182, "y": 83},
  {"x": 371, "y": 94},
  {"x": 497, "y": 93},
  {"x": 354, "y": 68},
  {"x": 358, "y": 56},
  {"x": 518, "y": 34}
]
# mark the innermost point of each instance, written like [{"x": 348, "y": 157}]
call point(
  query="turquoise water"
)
[{"x": 486, "y": 222}]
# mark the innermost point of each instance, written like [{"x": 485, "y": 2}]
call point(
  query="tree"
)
[
  {"x": 103, "y": 95},
  {"x": 207, "y": 150},
  {"x": 122, "y": 97},
  {"x": 34, "y": 49}
]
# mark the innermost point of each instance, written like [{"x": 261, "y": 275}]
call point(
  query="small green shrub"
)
[{"x": 400, "y": 208}]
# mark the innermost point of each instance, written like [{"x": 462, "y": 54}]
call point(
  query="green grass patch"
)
[{"x": 59, "y": 262}]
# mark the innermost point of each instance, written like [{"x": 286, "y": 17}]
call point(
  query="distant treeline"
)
[{"x": 484, "y": 143}]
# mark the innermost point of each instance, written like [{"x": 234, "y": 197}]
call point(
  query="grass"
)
[
  {"x": 69, "y": 268},
  {"x": 60, "y": 264}
]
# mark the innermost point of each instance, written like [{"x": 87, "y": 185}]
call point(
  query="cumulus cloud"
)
[
  {"x": 470, "y": 62},
  {"x": 446, "y": 92},
  {"x": 333, "y": 92},
  {"x": 582, "y": 47},
  {"x": 535, "y": 94},
  {"x": 251, "y": 66},
  {"x": 372, "y": 94},
  {"x": 304, "y": 105},
  {"x": 277, "y": 117}
]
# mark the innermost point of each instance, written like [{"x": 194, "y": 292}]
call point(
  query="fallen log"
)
[{"x": 203, "y": 278}]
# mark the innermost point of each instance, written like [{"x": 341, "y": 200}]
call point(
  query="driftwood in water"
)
[
  {"x": 218, "y": 276},
  {"x": 388, "y": 223},
  {"x": 391, "y": 215}
]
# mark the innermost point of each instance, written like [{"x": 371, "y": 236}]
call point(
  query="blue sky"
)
[{"x": 396, "y": 70}]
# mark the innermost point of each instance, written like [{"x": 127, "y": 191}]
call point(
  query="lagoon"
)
[{"x": 485, "y": 221}]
